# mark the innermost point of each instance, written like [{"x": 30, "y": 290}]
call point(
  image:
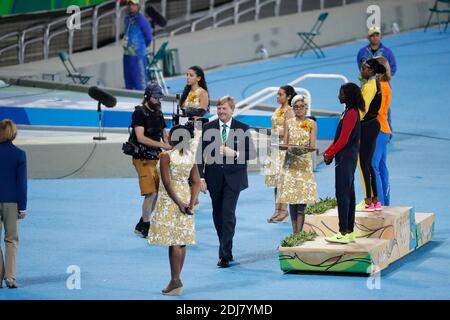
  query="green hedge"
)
[
  {"x": 321, "y": 206},
  {"x": 297, "y": 239}
]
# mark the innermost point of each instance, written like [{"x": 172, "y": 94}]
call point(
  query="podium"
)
[{"x": 382, "y": 237}]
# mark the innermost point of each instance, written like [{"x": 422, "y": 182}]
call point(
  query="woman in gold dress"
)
[
  {"x": 275, "y": 160},
  {"x": 297, "y": 185},
  {"x": 194, "y": 100},
  {"x": 173, "y": 222}
]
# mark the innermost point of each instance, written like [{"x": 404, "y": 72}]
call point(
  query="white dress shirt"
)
[
  {"x": 228, "y": 132},
  {"x": 228, "y": 126}
]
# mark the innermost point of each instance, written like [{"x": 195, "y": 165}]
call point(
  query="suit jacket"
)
[
  {"x": 217, "y": 169},
  {"x": 13, "y": 175}
]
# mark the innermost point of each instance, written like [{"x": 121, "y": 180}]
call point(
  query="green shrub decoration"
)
[
  {"x": 321, "y": 206},
  {"x": 297, "y": 239}
]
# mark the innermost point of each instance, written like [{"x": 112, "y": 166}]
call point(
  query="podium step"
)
[
  {"x": 363, "y": 256},
  {"x": 424, "y": 228},
  {"x": 382, "y": 238}
]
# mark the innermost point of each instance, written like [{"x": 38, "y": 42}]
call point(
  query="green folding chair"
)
[
  {"x": 437, "y": 10},
  {"x": 308, "y": 38},
  {"x": 154, "y": 70},
  {"x": 72, "y": 71}
]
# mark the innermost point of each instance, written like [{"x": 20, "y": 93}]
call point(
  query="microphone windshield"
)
[
  {"x": 155, "y": 16},
  {"x": 102, "y": 96}
]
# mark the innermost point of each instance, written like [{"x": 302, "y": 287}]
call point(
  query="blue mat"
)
[{"x": 89, "y": 223}]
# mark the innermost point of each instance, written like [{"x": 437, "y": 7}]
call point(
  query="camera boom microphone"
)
[
  {"x": 155, "y": 16},
  {"x": 102, "y": 96}
]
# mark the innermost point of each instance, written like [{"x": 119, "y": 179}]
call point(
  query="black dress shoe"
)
[
  {"x": 138, "y": 228},
  {"x": 145, "y": 229},
  {"x": 223, "y": 263}
]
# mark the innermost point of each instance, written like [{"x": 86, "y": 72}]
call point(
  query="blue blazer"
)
[{"x": 13, "y": 175}]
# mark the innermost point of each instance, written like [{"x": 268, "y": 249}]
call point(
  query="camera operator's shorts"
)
[{"x": 148, "y": 176}]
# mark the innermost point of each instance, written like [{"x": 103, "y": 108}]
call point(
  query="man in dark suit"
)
[{"x": 225, "y": 149}]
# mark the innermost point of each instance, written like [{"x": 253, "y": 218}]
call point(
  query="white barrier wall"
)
[{"x": 240, "y": 43}]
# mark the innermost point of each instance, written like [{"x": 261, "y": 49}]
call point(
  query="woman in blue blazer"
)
[{"x": 13, "y": 198}]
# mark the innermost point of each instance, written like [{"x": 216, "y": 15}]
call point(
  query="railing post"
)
[
  {"x": 257, "y": 9},
  {"x": 70, "y": 40},
  {"x": 277, "y": 8},
  {"x": 299, "y": 5},
  {"x": 236, "y": 13},
  {"x": 117, "y": 21},
  {"x": 188, "y": 9},
  {"x": 211, "y": 6},
  {"x": 322, "y": 4},
  {"x": 46, "y": 44},
  {"x": 94, "y": 28},
  {"x": 164, "y": 8},
  {"x": 21, "y": 47}
]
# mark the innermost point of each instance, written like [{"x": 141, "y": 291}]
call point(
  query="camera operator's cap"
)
[
  {"x": 373, "y": 30},
  {"x": 153, "y": 90},
  {"x": 133, "y": 1}
]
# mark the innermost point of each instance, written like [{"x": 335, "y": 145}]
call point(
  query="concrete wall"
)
[
  {"x": 278, "y": 35},
  {"x": 240, "y": 43},
  {"x": 73, "y": 157},
  {"x": 79, "y": 156}
]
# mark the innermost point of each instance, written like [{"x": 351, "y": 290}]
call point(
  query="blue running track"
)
[{"x": 89, "y": 223}]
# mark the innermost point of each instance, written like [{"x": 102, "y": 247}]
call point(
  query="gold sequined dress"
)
[
  {"x": 193, "y": 101},
  {"x": 169, "y": 226},
  {"x": 275, "y": 160},
  {"x": 296, "y": 183}
]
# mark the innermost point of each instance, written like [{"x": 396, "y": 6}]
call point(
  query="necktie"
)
[{"x": 224, "y": 133}]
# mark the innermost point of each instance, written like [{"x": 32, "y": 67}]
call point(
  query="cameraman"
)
[{"x": 148, "y": 131}]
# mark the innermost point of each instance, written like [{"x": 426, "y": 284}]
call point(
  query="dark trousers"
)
[
  {"x": 224, "y": 205},
  {"x": 369, "y": 134},
  {"x": 345, "y": 192}
]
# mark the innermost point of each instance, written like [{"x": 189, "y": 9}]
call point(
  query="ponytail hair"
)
[{"x": 290, "y": 92}]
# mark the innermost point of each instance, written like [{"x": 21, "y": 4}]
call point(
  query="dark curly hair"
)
[{"x": 375, "y": 66}]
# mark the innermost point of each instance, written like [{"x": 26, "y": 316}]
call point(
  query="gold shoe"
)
[
  {"x": 274, "y": 215},
  {"x": 175, "y": 288},
  {"x": 283, "y": 217},
  {"x": 280, "y": 214}
]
